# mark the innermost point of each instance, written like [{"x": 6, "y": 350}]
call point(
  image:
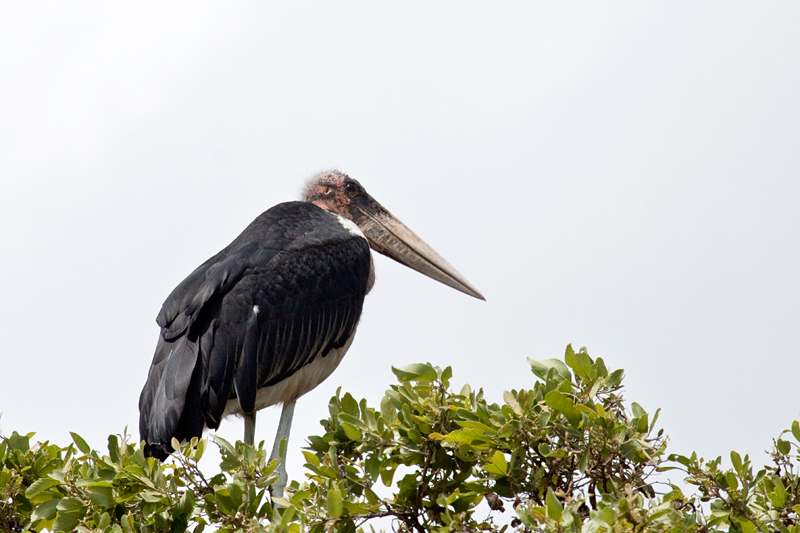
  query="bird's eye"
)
[{"x": 350, "y": 189}]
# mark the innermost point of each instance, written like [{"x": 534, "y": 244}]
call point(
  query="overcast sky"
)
[{"x": 621, "y": 176}]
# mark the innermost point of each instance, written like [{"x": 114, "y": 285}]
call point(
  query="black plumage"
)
[
  {"x": 283, "y": 294},
  {"x": 268, "y": 318}
]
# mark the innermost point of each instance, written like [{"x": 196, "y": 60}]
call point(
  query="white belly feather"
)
[{"x": 299, "y": 383}]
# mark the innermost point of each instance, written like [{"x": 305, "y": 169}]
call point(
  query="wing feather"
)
[
  {"x": 163, "y": 398},
  {"x": 307, "y": 275},
  {"x": 247, "y": 372}
]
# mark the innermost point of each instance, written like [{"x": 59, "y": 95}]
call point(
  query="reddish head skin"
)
[
  {"x": 333, "y": 191},
  {"x": 338, "y": 193}
]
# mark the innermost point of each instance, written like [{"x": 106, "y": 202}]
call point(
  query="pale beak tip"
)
[{"x": 475, "y": 294}]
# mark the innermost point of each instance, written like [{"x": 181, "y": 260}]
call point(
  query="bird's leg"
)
[
  {"x": 284, "y": 426},
  {"x": 250, "y": 428}
]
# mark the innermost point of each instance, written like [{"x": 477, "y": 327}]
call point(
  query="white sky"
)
[{"x": 622, "y": 176}]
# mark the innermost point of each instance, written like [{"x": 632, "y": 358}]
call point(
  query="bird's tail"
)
[{"x": 167, "y": 392}]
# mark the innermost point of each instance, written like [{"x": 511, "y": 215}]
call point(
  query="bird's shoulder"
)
[
  {"x": 320, "y": 259},
  {"x": 295, "y": 226},
  {"x": 297, "y": 238}
]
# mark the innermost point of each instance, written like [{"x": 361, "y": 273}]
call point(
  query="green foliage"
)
[
  {"x": 566, "y": 455},
  {"x": 768, "y": 500},
  {"x": 568, "y": 440},
  {"x": 46, "y": 487}
]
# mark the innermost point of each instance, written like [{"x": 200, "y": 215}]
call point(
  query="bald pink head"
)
[
  {"x": 339, "y": 193},
  {"x": 334, "y": 191}
]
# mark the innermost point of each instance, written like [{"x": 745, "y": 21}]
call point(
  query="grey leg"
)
[
  {"x": 284, "y": 426},
  {"x": 250, "y": 428}
]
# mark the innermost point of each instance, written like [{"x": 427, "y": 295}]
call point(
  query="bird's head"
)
[{"x": 339, "y": 193}]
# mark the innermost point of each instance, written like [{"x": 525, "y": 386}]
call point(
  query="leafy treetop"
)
[{"x": 565, "y": 455}]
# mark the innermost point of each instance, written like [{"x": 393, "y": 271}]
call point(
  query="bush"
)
[{"x": 564, "y": 455}]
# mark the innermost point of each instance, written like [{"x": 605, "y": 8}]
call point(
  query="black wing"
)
[{"x": 288, "y": 290}]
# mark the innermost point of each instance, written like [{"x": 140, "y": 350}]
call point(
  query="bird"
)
[{"x": 271, "y": 315}]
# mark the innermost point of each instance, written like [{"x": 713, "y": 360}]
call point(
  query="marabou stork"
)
[{"x": 270, "y": 316}]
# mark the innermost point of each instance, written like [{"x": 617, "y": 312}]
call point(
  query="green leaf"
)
[
  {"x": 236, "y": 493},
  {"x": 151, "y": 496},
  {"x": 655, "y": 418},
  {"x": 40, "y": 485},
  {"x": 186, "y": 503},
  {"x": 352, "y": 432},
  {"x": 113, "y": 448},
  {"x": 70, "y": 504},
  {"x": 554, "y": 508},
  {"x": 469, "y": 437},
  {"x": 796, "y": 430},
  {"x": 19, "y": 442},
  {"x": 90, "y": 482},
  {"x": 682, "y": 459},
  {"x": 747, "y": 526},
  {"x": 615, "y": 378},
  {"x": 334, "y": 504},
  {"x": 283, "y": 502},
  {"x": 563, "y": 405},
  {"x": 543, "y": 366},
  {"x": 602, "y": 371},
  {"x": 102, "y": 497},
  {"x": 311, "y": 458},
  {"x": 352, "y": 420},
  {"x": 584, "y": 463},
  {"x": 512, "y": 402},
  {"x": 372, "y": 466},
  {"x": 499, "y": 461},
  {"x": 387, "y": 474},
  {"x": 596, "y": 387},
  {"x": 638, "y": 412},
  {"x": 46, "y": 510},
  {"x": 388, "y": 409},
  {"x": 642, "y": 424},
  {"x": 127, "y": 523},
  {"x": 736, "y": 461},
  {"x": 476, "y": 425},
  {"x": 101, "y": 521},
  {"x": 67, "y": 521},
  {"x": 355, "y": 508},
  {"x": 224, "y": 445},
  {"x": 332, "y": 456},
  {"x": 580, "y": 362},
  {"x": 80, "y": 443},
  {"x": 415, "y": 372},
  {"x": 778, "y": 496},
  {"x": 200, "y": 449},
  {"x": 447, "y": 373},
  {"x": 350, "y": 405},
  {"x": 783, "y": 446}
]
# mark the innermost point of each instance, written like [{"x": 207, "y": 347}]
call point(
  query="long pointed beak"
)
[{"x": 390, "y": 237}]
